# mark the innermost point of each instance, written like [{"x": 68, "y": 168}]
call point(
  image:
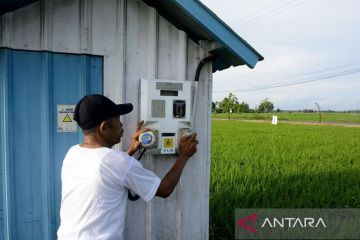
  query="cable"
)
[
  {"x": 314, "y": 77},
  {"x": 267, "y": 12},
  {"x": 320, "y": 77},
  {"x": 257, "y": 12},
  {"x": 307, "y": 79},
  {"x": 298, "y": 76},
  {"x": 323, "y": 70},
  {"x": 300, "y": 82},
  {"x": 270, "y": 14},
  {"x": 141, "y": 153},
  {"x": 132, "y": 197},
  {"x": 195, "y": 85}
]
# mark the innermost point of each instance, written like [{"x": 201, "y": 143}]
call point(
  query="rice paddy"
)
[{"x": 259, "y": 165}]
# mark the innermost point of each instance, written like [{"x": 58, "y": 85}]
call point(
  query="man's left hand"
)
[{"x": 135, "y": 143}]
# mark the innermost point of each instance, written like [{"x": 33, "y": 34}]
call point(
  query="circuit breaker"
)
[{"x": 165, "y": 108}]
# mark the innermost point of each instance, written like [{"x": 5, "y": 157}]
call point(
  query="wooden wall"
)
[{"x": 135, "y": 42}]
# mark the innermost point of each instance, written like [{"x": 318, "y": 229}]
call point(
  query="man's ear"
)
[{"x": 103, "y": 127}]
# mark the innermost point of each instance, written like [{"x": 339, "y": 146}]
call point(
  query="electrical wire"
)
[
  {"x": 254, "y": 14},
  {"x": 268, "y": 12},
  {"x": 322, "y": 70},
  {"x": 311, "y": 78},
  {"x": 298, "y": 76},
  {"x": 290, "y": 83},
  {"x": 141, "y": 153},
  {"x": 271, "y": 14}
]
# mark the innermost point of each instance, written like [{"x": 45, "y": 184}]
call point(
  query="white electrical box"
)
[{"x": 165, "y": 107}]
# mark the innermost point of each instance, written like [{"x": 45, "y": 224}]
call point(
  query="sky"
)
[{"x": 310, "y": 46}]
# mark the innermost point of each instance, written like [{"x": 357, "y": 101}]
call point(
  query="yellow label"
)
[
  {"x": 67, "y": 118},
  {"x": 168, "y": 142}
]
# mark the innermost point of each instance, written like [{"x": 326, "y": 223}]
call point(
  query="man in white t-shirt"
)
[{"x": 96, "y": 178}]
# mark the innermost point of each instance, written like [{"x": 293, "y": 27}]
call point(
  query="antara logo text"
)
[
  {"x": 293, "y": 222},
  {"x": 283, "y": 222}
]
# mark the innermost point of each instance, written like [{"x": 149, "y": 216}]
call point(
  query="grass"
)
[
  {"x": 258, "y": 165},
  {"x": 302, "y": 117}
]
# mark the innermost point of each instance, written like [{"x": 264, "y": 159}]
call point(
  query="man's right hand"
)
[
  {"x": 187, "y": 148},
  {"x": 187, "y": 145}
]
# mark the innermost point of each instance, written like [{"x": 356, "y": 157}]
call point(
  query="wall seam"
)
[
  {"x": 45, "y": 114},
  {"x": 5, "y": 141}
]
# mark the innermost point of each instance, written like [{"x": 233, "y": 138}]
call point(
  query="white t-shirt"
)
[{"x": 95, "y": 183}]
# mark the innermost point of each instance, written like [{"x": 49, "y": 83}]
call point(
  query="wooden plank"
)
[
  {"x": 46, "y": 25},
  {"x": 48, "y": 212},
  {"x": 8, "y": 224},
  {"x": 106, "y": 26},
  {"x": 138, "y": 44},
  {"x": 171, "y": 52},
  {"x": 26, "y": 28},
  {"x": 140, "y": 54},
  {"x": 86, "y": 26},
  {"x": 195, "y": 177},
  {"x": 6, "y": 26},
  {"x": 66, "y": 26},
  {"x": 171, "y": 65},
  {"x": 107, "y": 32}
]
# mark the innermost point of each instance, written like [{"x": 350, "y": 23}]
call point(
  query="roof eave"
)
[
  {"x": 222, "y": 33},
  {"x": 200, "y": 23}
]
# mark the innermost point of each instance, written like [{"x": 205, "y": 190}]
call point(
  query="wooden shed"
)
[{"x": 52, "y": 52}]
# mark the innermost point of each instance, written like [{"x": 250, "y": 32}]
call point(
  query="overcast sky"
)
[{"x": 302, "y": 41}]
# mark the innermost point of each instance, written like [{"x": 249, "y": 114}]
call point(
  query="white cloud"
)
[{"x": 311, "y": 36}]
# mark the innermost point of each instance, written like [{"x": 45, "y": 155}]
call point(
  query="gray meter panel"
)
[{"x": 165, "y": 109}]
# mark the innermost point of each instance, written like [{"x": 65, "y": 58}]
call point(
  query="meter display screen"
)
[
  {"x": 179, "y": 108},
  {"x": 169, "y": 93}
]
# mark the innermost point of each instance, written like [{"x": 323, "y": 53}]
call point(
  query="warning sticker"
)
[
  {"x": 168, "y": 144},
  {"x": 67, "y": 118},
  {"x": 65, "y": 121}
]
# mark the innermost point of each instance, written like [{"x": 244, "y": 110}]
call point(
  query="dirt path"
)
[{"x": 294, "y": 122}]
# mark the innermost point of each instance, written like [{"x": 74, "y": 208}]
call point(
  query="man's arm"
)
[{"x": 187, "y": 148}]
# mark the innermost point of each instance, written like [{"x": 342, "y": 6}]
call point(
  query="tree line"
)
[{"x": 231, "y": 104}]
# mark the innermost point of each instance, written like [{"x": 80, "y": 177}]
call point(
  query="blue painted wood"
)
[
  {"x": 220, "y": 31},
  {"x": 32, "y": 85},
  {"x": 48, "y": 228},
  {"x": 5, "y": 206}
]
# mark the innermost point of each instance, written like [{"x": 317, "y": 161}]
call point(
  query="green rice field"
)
[
  {"x": 259, "y": 165},
  {"x": 295, "y": 116}
]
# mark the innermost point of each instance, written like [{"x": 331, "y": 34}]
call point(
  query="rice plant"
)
[{"x": 258, "y": 165}]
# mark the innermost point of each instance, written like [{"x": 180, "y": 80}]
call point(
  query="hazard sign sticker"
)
[
  {"x": 168, "y": 143},
  {"x": 65, "y": 121}
]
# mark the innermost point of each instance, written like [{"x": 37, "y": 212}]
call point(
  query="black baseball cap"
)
[{"x": 91, "y": 110}]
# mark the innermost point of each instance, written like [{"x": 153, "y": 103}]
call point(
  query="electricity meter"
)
[
  {"x": 148, "y": 139},
  {"x": 165, "y": 108}
]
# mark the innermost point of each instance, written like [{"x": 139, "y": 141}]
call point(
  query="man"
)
[{"x": 96, "y": 179}]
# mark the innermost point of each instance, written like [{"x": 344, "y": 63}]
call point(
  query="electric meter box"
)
[{"x": 165, "y": 108}]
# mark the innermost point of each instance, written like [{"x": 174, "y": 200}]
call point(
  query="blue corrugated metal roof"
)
[{"x": 199, "y": 22}]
